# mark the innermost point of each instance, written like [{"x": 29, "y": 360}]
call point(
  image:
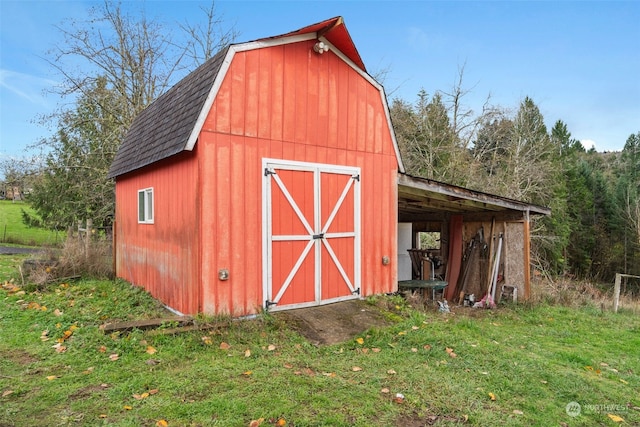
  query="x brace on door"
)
[{"x": 317, "y": 235}]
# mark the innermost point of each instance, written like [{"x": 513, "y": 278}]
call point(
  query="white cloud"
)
[
  {"x": 588, "y": 144},
  {"x": 26, "y": 86}
]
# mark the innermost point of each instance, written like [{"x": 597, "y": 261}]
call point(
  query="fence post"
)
[
  {"x": 87, "y": 236},
  {"x": 616, "y": 292}
]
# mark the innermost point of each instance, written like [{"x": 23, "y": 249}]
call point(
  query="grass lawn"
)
[
  {"x": 13, "y": 230},
  {"x": 515, "y": 366}
]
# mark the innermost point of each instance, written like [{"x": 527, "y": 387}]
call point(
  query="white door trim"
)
[{"x": 268, "y": 167}]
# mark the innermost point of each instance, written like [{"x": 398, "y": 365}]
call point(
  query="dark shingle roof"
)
[{"x": 164, "y": 127}]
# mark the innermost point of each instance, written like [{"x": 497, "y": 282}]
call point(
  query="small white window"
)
[{"x": 145, "y": 206}]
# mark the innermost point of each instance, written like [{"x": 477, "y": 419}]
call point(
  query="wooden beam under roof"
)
[{"x": 419, "y": 196}]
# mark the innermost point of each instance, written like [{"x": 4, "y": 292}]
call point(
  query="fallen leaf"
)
[
  {"x": 153, "y": 391},
  {"x": 589, "y": 368},
  {"x": 288, "y": 366},
  {"x": 7, "y": 393},
  {"x": 89, "y": 370},
  {"x": 329, "y": 374},
  {"x": 384, "y": 390},
  {"x": 207, "y": 340},
  {"x": 127, "y": 407},
  {"x": 102, "y": 416},
  {"x": 57, "y": 312},
  {"x": 224, "y": 346},
  {"x": 256, "y": 423},
  {"x": 492, "y": 396},
  {"x": 360, "y": 340},
  {"x": 102, "y": 349},
  {"x": 271, "y": 347},
  {"x": 52, "y": 377},
  {"x": 391, "y": 372},
  {"x": 399, "y": 398},
  {"x": 623, "y": 381},
  {"x": 375, "y": 350},
  {"x": 402, "y": 333},
  {"x": 113, "y": 357},
  {"x": 615, "y": 418},
  {"x": 427, "y": 347},
  {"x": 518, "y": 412},
  {"x": 356, "y": 369},
  {"x": 414, "y": 350},
  {"x": 151, "y": 350},
  {"x": 60, "y": 348},
  {"x": 162, "y": 423},
  {"x": 247, "y": 373},
  {"x": 141, "y": 396},
  {"x": 44, "y": 336},
  {"x": 415, "y": 328},
  {"x": 281, "y": 422},
  {"x": 247, "y": 353}
]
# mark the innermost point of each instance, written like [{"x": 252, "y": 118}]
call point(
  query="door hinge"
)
[
  {"x": 318, "y": 236},
  {"x": 268, "y": 304},
  {"x": 356, "y": 177},
  {"x": 268, "y": 172},
  {"x": 357, "y": 291}
]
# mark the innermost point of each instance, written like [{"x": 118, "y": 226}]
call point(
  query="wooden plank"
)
[{"x": 144, "y": 324}]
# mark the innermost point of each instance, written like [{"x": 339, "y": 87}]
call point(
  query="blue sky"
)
[{"x": 578, "y": 60}]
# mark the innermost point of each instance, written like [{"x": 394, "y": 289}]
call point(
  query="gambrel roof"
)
[{"x": 172, "y": 123}]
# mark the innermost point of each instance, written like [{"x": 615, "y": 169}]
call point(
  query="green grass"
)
[
  {"x": 535, "y": 360},
  {"x": 14, "y": 231}
]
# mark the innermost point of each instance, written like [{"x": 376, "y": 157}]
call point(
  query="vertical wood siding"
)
[
  {"x": 163, "y": 256},
  {"x": 288, "y": 102}
]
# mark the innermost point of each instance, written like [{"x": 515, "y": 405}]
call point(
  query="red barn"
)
[{"x": 265, "y": 179}]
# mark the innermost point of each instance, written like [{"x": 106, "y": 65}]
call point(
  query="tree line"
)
[{"x": 593, "y": 231}]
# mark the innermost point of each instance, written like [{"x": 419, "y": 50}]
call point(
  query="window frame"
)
[{"x": 146, "y": 206}]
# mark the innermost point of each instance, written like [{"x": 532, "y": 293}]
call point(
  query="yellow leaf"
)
[
  {"x": 73, "y": 328},
  {"x": 271, "y": 347},
  {"x": 151, "y": 350},
  {"x": 247, "y": 353},
  {"x": 360, "y": 340},
  {"x": 391, "y": 372},
  {"x": 247, "y": 373},
  {"x": 162, "y": 423},
  {"x": 589, "y": 368},
  {"x": 615, "y": 418},
  {"x": 281, "y": 422},
  {"x": 102, "y": 416},
  {"x": 52, "y": 377},
  {"x": 113, "y": 357},
  {"x": 414, "y": 350},
  {"x": 402, "y": 333},
  {"x": 224, "y": 346},
  {"x": 127, "y": 407},
  {"x": 356, "y": 369},
  {"x": 207, "y": 340},
  {"x": 492, "y": 396},
  {"x": 623, "y": 381}
]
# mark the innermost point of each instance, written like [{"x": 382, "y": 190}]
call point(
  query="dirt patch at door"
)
[{"x": 335, "y": 323}]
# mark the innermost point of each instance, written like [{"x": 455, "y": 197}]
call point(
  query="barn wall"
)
[
  {"x": 287, "y": 102},
  {"x": 163, "y": 256}
]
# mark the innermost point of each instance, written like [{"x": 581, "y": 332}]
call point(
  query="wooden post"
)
[
  {"x": 113, "y": 248},
  {"x": 87, "y": 236},
  {"x": 616, "y": 292},
  {"x": 527, "y": 257},
  {"x": 616, "y": 289}
]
